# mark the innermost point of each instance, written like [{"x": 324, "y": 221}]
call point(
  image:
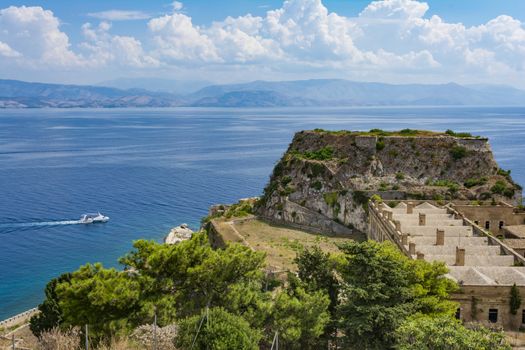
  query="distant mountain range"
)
[
  {"x": 322, "y": 92},
  {"x": 179, "y": 87}
]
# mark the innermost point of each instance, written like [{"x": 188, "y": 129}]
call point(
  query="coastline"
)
[{"x": 18, "y": 319}]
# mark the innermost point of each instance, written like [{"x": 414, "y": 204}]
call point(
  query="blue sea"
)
[{"x": 152, "y": 169}]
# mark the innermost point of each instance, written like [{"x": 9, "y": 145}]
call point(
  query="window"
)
[
  {"x": 476, "y": 222},
  {"x": 487, "y": 224},
  {"x": 493, "y": 315},
  {"x": 458, "y": 314},
  {"x": 501, "y": 224},
  {"x": 523, "y": 316}
]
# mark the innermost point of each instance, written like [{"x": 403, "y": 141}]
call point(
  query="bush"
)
[
  {"x": 400, "y": 176},
  {"x": 505, "y": 173},
  {"x": 458, "y": 134},
  {"x": 458, "y": 152},
  {"x": 317, "y": 185},
  {"x": 426, "y": 333},
  {"x": 55, "y": 339},
  {"x": 325, "y": 153},
  {"x": 475, "y": 182},
  {"x": 380, "y": 145},
  {"x": 376, "y": 198},
  {"x": 144, "y": 336},
  {"x": 408, "y": 132},
  {"x": 330, "y": 198},
  {"x": 317, "y": 169},
  {"x": 499, "y": 187},
  {"x": 220, "y": 331}
]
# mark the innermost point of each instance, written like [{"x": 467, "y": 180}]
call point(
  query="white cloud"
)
[
  {"x": 394, "y": 38},
  {"x": 119, "y": 15},
  {"x": 102, "y": 48},
  {"x": 177, "y": 5},
  {"x": 176, "y": 38},
  {"x": 33, "y": 35},
  {"x": 7, "y": 51}
]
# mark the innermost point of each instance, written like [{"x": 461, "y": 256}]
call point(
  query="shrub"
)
[
  {"x": 380, "y": 145},
  {"x": 442, "y": 332},
  {"x": 317, "y": 169},
  {"x": 144, "y": 336},
  {"x": 400, "y": 176},
  {"x": 408, "y": 132},
  {"x": 499, "y": 187},
  {"x": 475, "y": 182},
  {"x": 452, "y": 186},
  {"x": 502, "y": 172},
  {"x": 376, "y": 198},
  {"x": 509, "y": 192},
  {"x": 458, "y": 134},
  {"x": 325, "y": 153},
  {"x": 458, "y": 152},
  {"x": 223, "y": 331},
  {"x": 515, "y": 299},
  {"x": 330, "y": 198},
  {"x": 55, "y": 339},
  {"x": 286, "y": 180},
  {"x": 317, "y": 185},
  {"x": 360, "y": 197}
]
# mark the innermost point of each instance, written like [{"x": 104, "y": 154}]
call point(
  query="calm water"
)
[{"x": 150, "y": 170}]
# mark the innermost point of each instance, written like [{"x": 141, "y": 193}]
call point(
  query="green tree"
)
[
  {"x": 515, "y": 299},
  {"x": 50, "y": 315},
  {"x": 216, "y": 330},
  {"x": 446, "y": 333},
  {"x": 175, "y": 280},
  {"x": 381, "y": 288},
  {"x": 192, "y": 272},
  {"x": 316, "y": 269},
  {"x": 299, "y": 317},
  {"x": 105, "y": 299}
]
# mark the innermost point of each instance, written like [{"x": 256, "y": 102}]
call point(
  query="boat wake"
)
[{"x": 41, "y": 223}]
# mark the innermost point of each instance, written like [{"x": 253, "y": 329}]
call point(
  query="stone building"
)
[
  {"x": 499, "y": 219},
  {"x": 484, "y": 267}
]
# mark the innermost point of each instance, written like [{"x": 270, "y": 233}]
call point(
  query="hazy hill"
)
[
  {"x": 301, "y": 93},
  {"x": 179, "y": 87},
  {"x": 348, "y": 93},
  {"x": 14, "y": 93}
]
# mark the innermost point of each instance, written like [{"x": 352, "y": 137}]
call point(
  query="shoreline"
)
[{"x": 17, "y": 319}]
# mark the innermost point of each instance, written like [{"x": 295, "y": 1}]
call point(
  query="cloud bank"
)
[{"x": 391, "y": 40}]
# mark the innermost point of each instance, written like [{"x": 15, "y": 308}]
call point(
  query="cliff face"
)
[{"x": 324, "y": 179}]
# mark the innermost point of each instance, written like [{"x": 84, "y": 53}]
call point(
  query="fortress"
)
[{"x": 436, "y": 196}]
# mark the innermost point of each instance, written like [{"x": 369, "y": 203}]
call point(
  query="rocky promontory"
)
[{"x": 325, "y": 178}]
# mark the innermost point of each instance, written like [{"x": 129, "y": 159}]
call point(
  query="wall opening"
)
[
  {"x": 458, "y": 313},
  {"x": 493, "y": 315},
  {"x": 487, "y": 225},
  {"x": 501, "y": 224}
]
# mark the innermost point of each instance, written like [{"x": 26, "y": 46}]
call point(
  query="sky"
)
[{"x": 393, "y": 41}]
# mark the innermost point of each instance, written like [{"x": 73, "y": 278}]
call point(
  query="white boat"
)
[{"x": 92, "y": 218}]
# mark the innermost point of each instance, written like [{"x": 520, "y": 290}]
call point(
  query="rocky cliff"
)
[{"x": 325, "y": 178}]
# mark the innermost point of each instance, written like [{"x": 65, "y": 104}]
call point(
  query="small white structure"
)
[{"x": 178, "y": 234}]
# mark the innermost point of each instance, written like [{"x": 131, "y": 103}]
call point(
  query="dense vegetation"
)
[
  {"x": 369, "y": 296},
  {"x": 403, "y": 132}
]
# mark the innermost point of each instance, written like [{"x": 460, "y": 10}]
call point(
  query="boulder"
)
[{"x": 178, "y": 234}]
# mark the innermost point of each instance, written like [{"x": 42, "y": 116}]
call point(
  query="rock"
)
[
  {"x": 178, "y": 234},
  {"x": 324, "y": 179}
]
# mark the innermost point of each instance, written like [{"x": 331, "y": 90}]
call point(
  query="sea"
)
[{"x": 152, "y": 169}]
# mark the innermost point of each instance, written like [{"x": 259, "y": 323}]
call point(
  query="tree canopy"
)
[{"x": 368, "y": 296}]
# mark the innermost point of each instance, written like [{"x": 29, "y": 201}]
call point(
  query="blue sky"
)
[{"x": 395, "y": 41}]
